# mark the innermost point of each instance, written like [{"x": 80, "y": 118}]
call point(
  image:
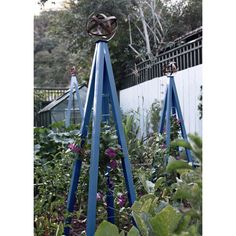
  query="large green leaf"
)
[
  {"x": 136, "y": 206},
  {"x": 165, "y": 222},
  {"x": 107, "y": 229},
  {"x": 159, "y": 182},
  {"x": 145, "y": 197},
  {"x": 140, "y": 224},
  {"x": 133, "y": 232},
  {"x": 146, "y": 205},
  {"x": 180, "y": 143},
  {"x": 177, "y": 164},
  {"x": 183, "y": 223}
]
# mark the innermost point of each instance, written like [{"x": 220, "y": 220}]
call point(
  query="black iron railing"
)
[
  {"x": 185, "y": 55},
  {"x": 48, "y": 94}
]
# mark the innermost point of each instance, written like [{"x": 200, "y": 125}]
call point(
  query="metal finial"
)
[
  {"x": 170, "y": 68},
  {"x": 102, "y": 26},
  {"x": 73, "y": 71}
]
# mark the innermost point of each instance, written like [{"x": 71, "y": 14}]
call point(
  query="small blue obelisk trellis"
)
[
  {"x": 171, "y": 107},
  {"x": 73, "y": 84},
  {"x": 101, "y": 93}
]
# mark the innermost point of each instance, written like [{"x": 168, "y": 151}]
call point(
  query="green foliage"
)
[
  {"x": 61, "y": 40},
  {"x": 173, "y": 205},
  {"x": 166, "y": 221},
  {"x": 177, "y": 164},
  {"x": 155, "y": 115},
  {"x": 168, "y": 197},
  {"x": 133, "y": 232},
  {"x": 107, "y": 229}
]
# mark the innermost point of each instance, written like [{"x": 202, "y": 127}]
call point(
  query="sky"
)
[{"x": 48, "y": 6}]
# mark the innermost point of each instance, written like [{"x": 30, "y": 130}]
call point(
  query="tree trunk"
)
[{"x": 147, "y": 40}]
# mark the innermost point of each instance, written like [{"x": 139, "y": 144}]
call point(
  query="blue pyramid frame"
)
[
  {"x": 101, "y": 92},
  {"x": 172, "y": 106},
  {"x": 73, "y": 84}
]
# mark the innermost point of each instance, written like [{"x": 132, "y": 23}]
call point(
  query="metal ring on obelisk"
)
[
  {"x": 170, "y": 68},
  {"x": 102, "y": 26},
  {"x": 73, "y": 71}
]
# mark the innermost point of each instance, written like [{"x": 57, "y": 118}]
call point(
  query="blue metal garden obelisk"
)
[
  {"x": 101, "y": 93},
  {"x": 73, "y": 84},
  {"x": 170, "y": 108}
]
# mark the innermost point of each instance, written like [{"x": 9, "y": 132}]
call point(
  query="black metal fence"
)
[
  {"x": 185, "y": 55},
  {"x": 42, "y": 97},
  {"x": 49, "y": 94}
]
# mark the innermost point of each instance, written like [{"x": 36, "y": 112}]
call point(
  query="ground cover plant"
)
[{"x": 168, "y": 197}]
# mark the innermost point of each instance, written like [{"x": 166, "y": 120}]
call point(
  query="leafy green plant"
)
[
  {"x": 173, "y": 206},
  {"x": 155, "y": 115}
]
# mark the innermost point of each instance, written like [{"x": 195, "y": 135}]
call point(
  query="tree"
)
[{"x": 145, "y": 28}]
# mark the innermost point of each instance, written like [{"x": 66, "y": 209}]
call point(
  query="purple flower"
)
[
  {"x": 110, "y": 152},
  {"x": 121, "y": 200},
  {"x": 74, "y": 148},
  {"x": 163, "y": 146},
  {"x": 99, "y": 196},
  {"x": 113, "y": 164}
]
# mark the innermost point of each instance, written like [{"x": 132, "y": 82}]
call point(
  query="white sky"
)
[{"x": 48, "y": 6}]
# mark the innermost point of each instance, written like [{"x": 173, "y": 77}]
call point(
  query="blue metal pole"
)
[
  {"x": 163, "y": 114},
  {"x": 67, "y": 120},
  {"x": 121, "y": 135},
  {"x": 89, "y": 98},
  {"x": 71, "y": 196},
  {"x": 168, "y": 114},
  {"x": 94, "y": 160},
  {"x": 110, "y": 199},
  {"x": 105, "y": 118},
  {"x": 180, "y": 116},
  {"x": 78, "y": 163},
  {"x": 81, "y": 110},
  {"x": 73, "y": 84}
]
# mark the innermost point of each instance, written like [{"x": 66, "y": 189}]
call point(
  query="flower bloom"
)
[
  {"x": 110, "y": 152},
  {"x": 163, "y": 146},
  {"x": 99, "y": 196},
  {"x": 121, "y": 200},
  {"x": 74, "y": 148},
  {"x": 113, "y": 164}
]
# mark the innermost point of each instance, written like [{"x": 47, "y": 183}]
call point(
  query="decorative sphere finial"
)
[
  {"x": 73, "y": 71},
  {"x": 102, "y": 26},
  {"x": 170, "y": 68}
]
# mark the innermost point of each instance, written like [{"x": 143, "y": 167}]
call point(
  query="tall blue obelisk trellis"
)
[
  {"x": 170, "y": 108},
  {"x": 101, "y": 93},
  {"x": 73, "y": 84}
]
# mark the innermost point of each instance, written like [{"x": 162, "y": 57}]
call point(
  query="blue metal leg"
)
[
  {"x": 168, "y": 115},
  {"x": 81, "y": 110},
  {"x": 183, "y": 131},
  {"x": 73, "y": 84},
  {"x": 105, "y": 100},
  {"x": 78, "y": 163},
  {"x": 110, "y": 199},
  {"x": 71, "y": 196},
  {"x": 67, "y": 120},
  {"x": 94, "y": 161},
  {"x": 105, "y": 118},
  {"x": 89, "y": 98},
  {"x": 163, "y": 112},
  {"x": 121, "y": 136}
]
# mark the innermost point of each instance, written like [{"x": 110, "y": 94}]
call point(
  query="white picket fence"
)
[{"x": 141, "y": 97}]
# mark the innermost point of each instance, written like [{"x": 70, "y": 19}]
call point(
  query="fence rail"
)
[
  {"x": 185, "y": 56},
  {"x": 49, "y": 94}
]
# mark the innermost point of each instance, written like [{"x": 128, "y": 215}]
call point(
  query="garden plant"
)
[{"x": 168, "y": 197}]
